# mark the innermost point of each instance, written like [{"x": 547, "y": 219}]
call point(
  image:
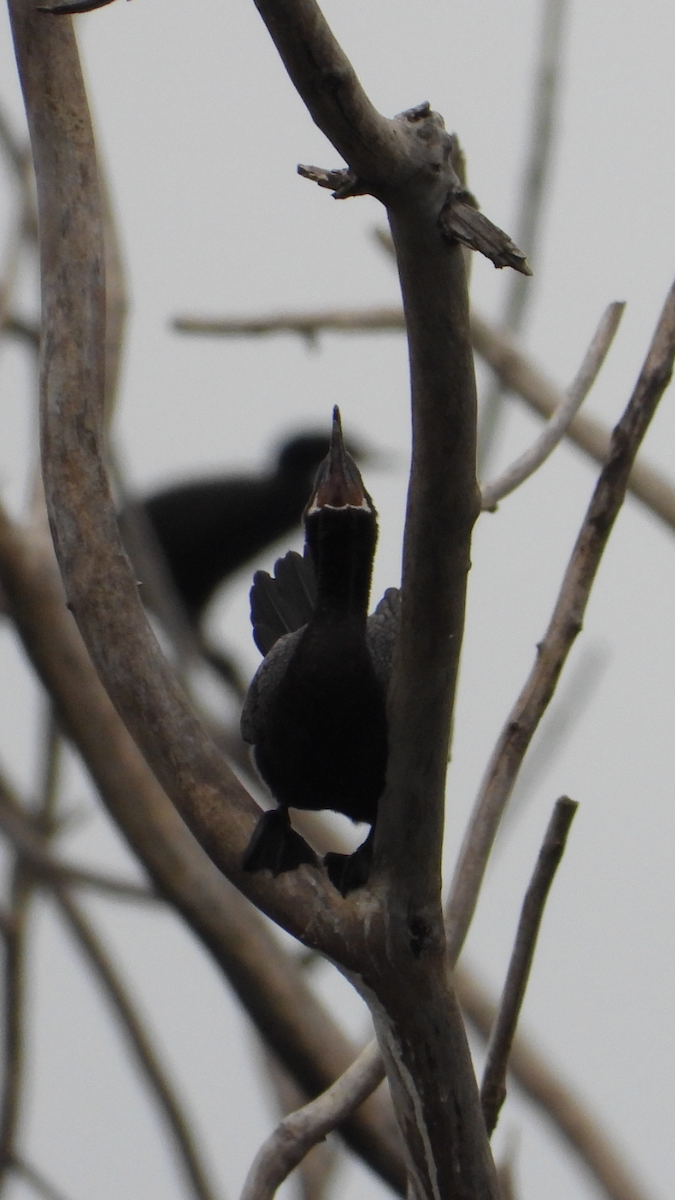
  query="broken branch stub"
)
[{"x": 459, "y": 219}]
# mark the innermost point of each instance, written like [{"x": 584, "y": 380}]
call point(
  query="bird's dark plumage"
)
[
  {"x": 209, "y": 528},
  {"x": 316, "y": 709}
]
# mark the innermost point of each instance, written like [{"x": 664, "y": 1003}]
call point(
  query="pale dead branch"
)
[
  {"x": 521, "y": 376},
  {"x": 557, "y": 427},
  {"x": 298, "y": 1132},
  {"x": 316, "y": 1172},
  {"x": 493, "y": 1087},
  {"x": 565, "y": 624}
]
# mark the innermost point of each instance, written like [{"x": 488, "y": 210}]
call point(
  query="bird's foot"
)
[
  {"x": 276, "y": 846},
  {"x": 347, "y": 872}
]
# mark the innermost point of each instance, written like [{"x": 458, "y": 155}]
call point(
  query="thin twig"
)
[
  {"x": 554, "y": 1098},
  {"x": 522, "y": 377},
  {"x": 317, "y": 1168},
  {"x": 493, "y": 1088},
  {"x": 565, "y": 624},
  {"x": 555, "y": 430},
  {"x": 341, "y": 320},
  {"x": 534, "y": 186},
  {"x": 297, "y": 1133},
  {"x": 519, "y": 375}
]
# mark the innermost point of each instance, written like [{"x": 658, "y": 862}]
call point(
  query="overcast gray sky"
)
[{"x": 201, "y": 132}]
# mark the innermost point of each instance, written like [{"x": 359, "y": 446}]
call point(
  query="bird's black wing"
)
[
  {"x": 381, "y": 634},
  {"x": 283, "y": 602}
]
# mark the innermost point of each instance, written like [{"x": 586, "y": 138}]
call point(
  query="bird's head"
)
[
  {"x": 338, "y": 483},
  {"x": 341, "y": 528}
]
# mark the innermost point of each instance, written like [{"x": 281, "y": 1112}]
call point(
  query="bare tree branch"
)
[
  {"x": 357, "y": 320},
  {"x": 555, "y": 1099},
  {"x": 493, "y": 1088},
  {"x": 516, "y": 370},
  {"x": 565, "y": 624},
  {"x": 520, "y": 375},
  {"x": 317, "y": 1170},
  {"x": 297, "y": 1133},
  {"x": 555, "y": 430}
]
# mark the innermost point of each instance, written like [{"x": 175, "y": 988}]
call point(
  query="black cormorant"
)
[{"x": 316, "y": 709}]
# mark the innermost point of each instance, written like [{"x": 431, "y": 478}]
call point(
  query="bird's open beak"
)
[{"x": 338, "y": 482}]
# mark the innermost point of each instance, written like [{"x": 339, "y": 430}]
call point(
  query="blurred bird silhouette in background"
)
[
  {"x": 207, "y": 529},
  {"x": 315, "y": 711}
]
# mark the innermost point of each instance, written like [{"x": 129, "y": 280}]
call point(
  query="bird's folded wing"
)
[
  {"x": 381, "y": 634},
  {"x": 284, "y": 602}
]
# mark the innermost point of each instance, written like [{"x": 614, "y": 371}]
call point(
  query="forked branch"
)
[{"x": 565, "y": 624}]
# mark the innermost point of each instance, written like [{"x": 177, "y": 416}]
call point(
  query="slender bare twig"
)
[
  {"x": 317, "y": 1169},
  {"x": 297, "y": 1133},
  {"x": 41, "y": 1185},
  {"x": 340, "y": 320},
  {"x": 522, "y": 377},
  {"x": 565, "y": 624},
  {"x": 555, "y": 430},
  {"x": 493, "y": 1087},
  {"x": 534, "y": 186},
  {"x": 518, "y": 373},
  {"x": 566, "y": 713},
  {"x": 555, "y": 1098}
]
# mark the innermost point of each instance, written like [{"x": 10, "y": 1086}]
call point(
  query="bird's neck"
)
[{"x": 342, "y": 545}]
